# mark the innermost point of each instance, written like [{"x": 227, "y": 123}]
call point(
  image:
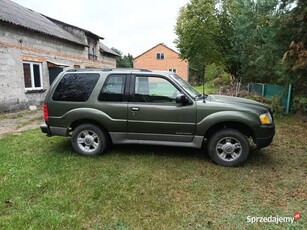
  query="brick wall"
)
[
  {"x": 18, "y": 45},
  {"x": 148, "y": 60}
]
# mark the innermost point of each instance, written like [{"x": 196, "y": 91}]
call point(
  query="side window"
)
[
  {"x": 113, "y": 88},
  {"x": 154, "y": 90},
  {"x": 75, "y": 87}
]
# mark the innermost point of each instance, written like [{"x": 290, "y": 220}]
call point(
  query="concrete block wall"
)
[{"x": 18, "y": 45}]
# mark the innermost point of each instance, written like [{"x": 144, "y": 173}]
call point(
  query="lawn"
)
[
  {"x": 45, "y": 185},
  {"x": 208, "y": 89}
]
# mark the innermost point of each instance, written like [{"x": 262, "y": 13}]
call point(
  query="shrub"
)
[
  {"x": 217, "y": 76},
  {"x": 299, "y": 105},
  {"x": 276, "y": 106},
  {"x": 212, "y": 71}
]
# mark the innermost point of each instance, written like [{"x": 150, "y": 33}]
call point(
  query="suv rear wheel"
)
[
  {"x": 89, "y": 140},
  {"x": 228, "y": 147}
]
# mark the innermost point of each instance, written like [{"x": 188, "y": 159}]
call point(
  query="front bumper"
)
[{"x": 264, "y": 135}]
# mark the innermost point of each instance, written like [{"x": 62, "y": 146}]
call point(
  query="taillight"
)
[{"x": 45, "y": 109}]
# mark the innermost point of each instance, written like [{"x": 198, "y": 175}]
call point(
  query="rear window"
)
[{"x": 75, "y": 87}]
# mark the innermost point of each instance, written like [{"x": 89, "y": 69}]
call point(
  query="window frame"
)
[
  {"x": 133, "y": 85},
  {"x": 125, "y": 88},
  {"x": 160, "y": 56},
  {"x": 33, "y": 88},
  {"x": 172, "y": 70}
]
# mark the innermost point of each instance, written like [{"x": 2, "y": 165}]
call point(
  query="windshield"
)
[{"x": 187, "y": 87}]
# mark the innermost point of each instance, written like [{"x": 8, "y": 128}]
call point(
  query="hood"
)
[{"x": 238, "y": 102}]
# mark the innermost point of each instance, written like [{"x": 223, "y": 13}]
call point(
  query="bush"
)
[
  {"x": 212, "y": 72},
  {"x": 299, "y": 105},
  {"x": 276, "y": 106},
  {"x": 217, "y": 76}
]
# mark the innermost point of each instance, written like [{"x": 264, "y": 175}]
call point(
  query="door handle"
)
[{"x": 135, "y": 109}]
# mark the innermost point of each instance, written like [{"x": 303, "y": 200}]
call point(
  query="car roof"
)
[
  {"x": 118, "y": 70},
  {"x": 109, "y": 70}
]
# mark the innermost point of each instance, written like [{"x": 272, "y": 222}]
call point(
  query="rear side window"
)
[
  {"x": 75, "y": 87},
  {"x": 113, "y": 88}
]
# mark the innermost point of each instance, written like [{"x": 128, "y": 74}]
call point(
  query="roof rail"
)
[
  {"x": 107, "y": 69},
  {"x": 131, "y": 69},
  {"x": 81, "y": 70},
  {"x": 144, "y": 70}
]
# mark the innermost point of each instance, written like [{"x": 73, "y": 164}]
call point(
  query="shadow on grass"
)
[
  {"x": 256, "y": 157},
  {"x": 260, "y": 157},
  {"x": 165, "y": 151},
  {"x": 63, "y": 147}
]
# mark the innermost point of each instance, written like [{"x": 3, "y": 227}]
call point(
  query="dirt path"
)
[{"x": 20, "y": 121}]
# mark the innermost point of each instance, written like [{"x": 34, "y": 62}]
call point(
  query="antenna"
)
[{"x": 204, "y": 74}]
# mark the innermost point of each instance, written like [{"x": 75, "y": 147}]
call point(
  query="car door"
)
[
  {"x": 113, "y": 103},
  {"x": 153, "y": 113}
]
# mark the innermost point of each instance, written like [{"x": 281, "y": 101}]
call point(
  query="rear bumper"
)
[
  {"x": 53, "y": 131},
  {"x": 264, "y": 136},
  {"x": 45, "y": 129}
]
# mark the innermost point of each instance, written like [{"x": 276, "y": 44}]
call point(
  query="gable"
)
[{"x": 160, "y": 48}]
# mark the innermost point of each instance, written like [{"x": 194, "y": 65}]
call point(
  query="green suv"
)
[{"x": 122, "y": 106}]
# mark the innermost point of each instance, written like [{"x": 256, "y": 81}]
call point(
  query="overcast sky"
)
[{"x": 132, "y": 26}]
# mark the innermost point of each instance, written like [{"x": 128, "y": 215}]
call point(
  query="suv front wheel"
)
[
  {"x": 89, "y": 140},
  {"x": 228, "y": 147}
]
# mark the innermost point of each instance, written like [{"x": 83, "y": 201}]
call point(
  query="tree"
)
[
  {"x": 254, "y": 44},
  {"x": 295, "y": 58},
  {"x": 200, "y": 34},
  {"x": 123, "y": 61},
  {"x": 249, "y": 38}
]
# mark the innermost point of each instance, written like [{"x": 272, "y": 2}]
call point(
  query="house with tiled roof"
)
[
  {"x": 34, "y": 48},
  {"x": 161, "y": 57}
]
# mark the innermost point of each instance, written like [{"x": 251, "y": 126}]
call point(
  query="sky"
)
[{"x": 132, "y": 26}]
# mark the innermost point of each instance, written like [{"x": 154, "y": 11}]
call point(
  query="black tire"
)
[
  {"x": 89, "y": 140},
  {"x": 228, "y": 147}
]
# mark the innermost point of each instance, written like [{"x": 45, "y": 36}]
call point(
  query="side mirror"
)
[{"x": 182, "y": 99}]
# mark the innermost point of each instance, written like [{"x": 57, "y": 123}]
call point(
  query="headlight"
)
[{"x": 266, "y": 118}]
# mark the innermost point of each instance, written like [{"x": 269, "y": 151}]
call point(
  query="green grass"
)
[
  {"x": 45, "y": 185},
  {"x": 209, "y": 89}
]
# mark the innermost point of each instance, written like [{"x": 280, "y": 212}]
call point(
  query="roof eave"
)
[
  {"x": 41, "y": 32},
  {"x": 87, "y": 32},
  {"x": 103, "y": 51}
]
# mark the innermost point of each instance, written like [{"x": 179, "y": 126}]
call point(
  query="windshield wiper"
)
[
  {"x": 198, "y": 96},
  {"x": 201, "y": 96}
]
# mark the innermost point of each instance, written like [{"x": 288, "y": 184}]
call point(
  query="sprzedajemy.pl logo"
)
[{"x": 274, "y": 219}]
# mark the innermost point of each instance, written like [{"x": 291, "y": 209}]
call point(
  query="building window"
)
[
  {"x": 32, "y": 72},
  {"x": 173, "y": 70},
  {"x": 160, "y": 56},
  {"x": 92, "y": 43}
]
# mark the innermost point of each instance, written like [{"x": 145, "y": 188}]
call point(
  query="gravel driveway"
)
[{"x": 20, "y": 121}]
